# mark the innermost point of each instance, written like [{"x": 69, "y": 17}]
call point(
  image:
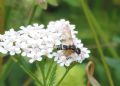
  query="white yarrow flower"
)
[{"x": 34, "y": 42}]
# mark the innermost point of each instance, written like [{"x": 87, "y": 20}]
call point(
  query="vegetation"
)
[{"x": 98, "y": 24}]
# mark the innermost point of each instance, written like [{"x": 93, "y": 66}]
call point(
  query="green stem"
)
[
  {"x": 44, "y": 76},
  {"x": 52, "y": 75},
  {"x": 41, "y": 68},
  {"x": 48, "y": 72},
  {"x": 102, "y": 57},
  {"x": 102, "y": 34},
  {"x": 26, "y": 70},
  {"x": 43, "y": 73},
  {"x": 50, "y": 69},
  {"x": 6, "y": 69},
  {"x": 104, "y": 37},
  {"x": 64, "y": 75},
  {"x": 32, "y": 13}
]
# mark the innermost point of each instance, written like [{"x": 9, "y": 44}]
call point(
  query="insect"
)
[
  {"x": 67, "y": 43},
  {"x": 68, "y": 47}
]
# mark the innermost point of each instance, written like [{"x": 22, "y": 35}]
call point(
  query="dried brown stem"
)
[{"x": 90, "y": 71}]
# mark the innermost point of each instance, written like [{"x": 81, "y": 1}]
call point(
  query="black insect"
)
[
  {"x": 67, "y": 43},
  {"x": 69, "y": 47}
]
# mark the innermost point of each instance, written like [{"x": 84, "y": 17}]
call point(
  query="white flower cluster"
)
[{"x": 35, "y": 41}]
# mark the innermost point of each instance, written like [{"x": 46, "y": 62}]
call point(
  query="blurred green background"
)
[{"x": 98, "y": 23}]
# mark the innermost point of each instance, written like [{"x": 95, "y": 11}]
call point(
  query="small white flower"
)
[
  {"x": 67, "y": 37},
  {"x": 34, "y": 41}
]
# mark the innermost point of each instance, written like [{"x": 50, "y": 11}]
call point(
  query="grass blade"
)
[
  {"x": 102, "y": 34},
  {"x": 102, "y": 57}
]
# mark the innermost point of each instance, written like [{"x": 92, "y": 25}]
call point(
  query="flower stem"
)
[
  {"x": 52, "y": 75},
  {"x": 26, "y": 70},
  {"x": 41, "y": 68},
  {"x": 102, "y": 57},
  {"x": 31, "y": 14},
  {"x": 43, "y": 73},
  {"x": 6, "y": 69},
  {"x": 64, "y": 75},
  {"x": 48, "y": 72}
]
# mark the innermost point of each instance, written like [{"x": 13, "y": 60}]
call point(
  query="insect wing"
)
[{"x": 67, "y": 36}]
